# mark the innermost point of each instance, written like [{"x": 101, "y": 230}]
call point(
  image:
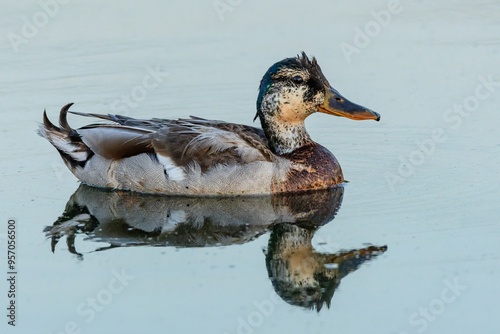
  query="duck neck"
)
[{"x": 283, "y": 137}]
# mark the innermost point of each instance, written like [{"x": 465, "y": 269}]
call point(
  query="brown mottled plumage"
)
[
  {"x": 203, "y": 157},
  {"x": 313, "y": 167}
]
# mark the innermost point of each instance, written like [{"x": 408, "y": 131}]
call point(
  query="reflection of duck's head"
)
[{"x": 304, "y": 277}]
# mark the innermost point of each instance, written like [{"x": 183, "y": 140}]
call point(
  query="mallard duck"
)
[{"x": 200, "y": 157}]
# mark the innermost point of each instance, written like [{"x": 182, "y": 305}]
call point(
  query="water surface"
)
[{"x": 423, "y": 181}]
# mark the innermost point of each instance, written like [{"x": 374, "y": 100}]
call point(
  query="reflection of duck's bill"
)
[
  {"x": 337, "y": 105},
  {"x": 364, "y": 253},
  {"x": 349, "y": 261}
]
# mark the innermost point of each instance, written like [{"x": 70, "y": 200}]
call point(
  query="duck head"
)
[{"x": 293, "y": 89}]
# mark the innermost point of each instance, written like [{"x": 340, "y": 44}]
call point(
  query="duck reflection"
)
[
  {"x": 300, "y": 275},
  {"x": 127, "y": 219}
]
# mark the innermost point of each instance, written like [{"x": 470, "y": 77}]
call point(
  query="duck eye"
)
[{"x": 298, "y": 79}]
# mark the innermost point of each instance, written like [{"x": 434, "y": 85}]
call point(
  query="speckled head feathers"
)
[{"x": 285, "y": 70}]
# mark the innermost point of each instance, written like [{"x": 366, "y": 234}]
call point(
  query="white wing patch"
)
[{"x": 174, "y": 172}]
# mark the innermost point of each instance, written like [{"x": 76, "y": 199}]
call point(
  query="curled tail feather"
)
[{"x": 65, "y": 139}]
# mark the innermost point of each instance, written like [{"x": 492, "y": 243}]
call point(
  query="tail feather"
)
[
  {"x": 66, "y": 140},
  {"x": 63, "y": 121}
]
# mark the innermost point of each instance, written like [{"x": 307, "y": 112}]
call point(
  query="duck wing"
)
[
  {"x": 182, "y": 142},
  {"x": 145, "y": 124},
  {"x": 208, "y": 143}
]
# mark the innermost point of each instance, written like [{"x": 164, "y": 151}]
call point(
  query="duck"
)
[{"x": 200, "y": 157}]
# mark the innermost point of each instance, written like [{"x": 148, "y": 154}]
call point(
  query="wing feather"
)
[
  {"x": 210, "y": 143},
  {"x": 116, "y": 142},
  {"x": 181, "y": 142}
]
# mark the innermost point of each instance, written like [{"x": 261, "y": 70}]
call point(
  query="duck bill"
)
[{"x": 337, "y": 105}]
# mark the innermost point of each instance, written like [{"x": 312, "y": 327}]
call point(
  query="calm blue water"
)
[{"x": 423, "y": 181}]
